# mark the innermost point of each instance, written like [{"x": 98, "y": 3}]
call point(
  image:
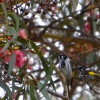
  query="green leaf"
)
[
  {"x": 16, "y": 19},
  {"x": 94, "y": 25},
  {"x": 92, "y": 1},
  {"x": 9, "y": 41},
  {"x": 11, "y": 63},
  {"x": 91, "y": 24},
  {"x": 74, "y": 4},
  {"x": 24, "y": 41},
  {"x": 6, "y": 88},
  {"x": 14, "y": 38},
  {"x": 45, "y": 65},
  {"x": 5, "y": 46},
  {"x": 90, "y": 58},
  {"x": 95, "y": 58},
  {"x": 22, "y": 24},
  {"x": 32, "y": 92},
  {"x": 20, "y": 90},
  {"x": 44, "y": 91},
  {"x": 11, "y": 30},
  {"x": 22, "y": 69},
  {"x": 5, "y": 13},
  {"x": 32, "y": 1},
  {"x": 13, "y": 85},
  {"x": 81, "y": 22},
  {"x": 48, "y": 75}
]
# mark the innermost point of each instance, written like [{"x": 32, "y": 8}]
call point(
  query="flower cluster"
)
[
  {"x": 87, "y": 27},
  {"x": 80, "y": 48},
  {"x": 23, "y": 34},
  {"x": 20, "y": 57}
]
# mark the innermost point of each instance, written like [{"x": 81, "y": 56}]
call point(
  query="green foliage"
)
[
  {"x": 32, "y": 92},
  {"x": 11, "y": 63},
  {"x": 44, "y": 91},
  {"x": 74, "y": 4},
  {"x": 23, "y": 70},
  {"x": 49, "y": 74},
  {"x": 45, "y": 65},
  {"x": 16, "y": 19},
  {"x": 5, "y": 13},
  {"x": 32, "y": 2},
  {"x": 7, "y": 89},
  {"x": 63, "y": 24}
]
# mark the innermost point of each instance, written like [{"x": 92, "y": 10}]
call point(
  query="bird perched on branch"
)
[
  {"x": 85, "y": 73},
  {"x": 66, "y": 69}
]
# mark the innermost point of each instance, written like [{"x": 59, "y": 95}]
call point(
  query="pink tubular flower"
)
[
  {"x": 87, "y": 27},
  {"x": 30, "y": 67},
  {"x": 14, "y": 96},
  {"x": 19, "y": 54},
  {"x": 19, "y": 58},
  {"x": 19, "y": 63},
  {"x": 23, "y": 34},
  {"x": 1, "y": 34},
  {"x": 4, "y": 53},
  {"x": 9, "y": 38},
  {"x": 7, "y": 59}
]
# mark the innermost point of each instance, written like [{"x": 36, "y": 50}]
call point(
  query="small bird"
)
[
  {"x": 66, "y": 69},
  {"x": 85, "y": 73}
]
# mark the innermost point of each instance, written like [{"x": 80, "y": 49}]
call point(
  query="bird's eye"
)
[
  {"x": 65, "y": 57},
  {"x": 61, "y": 56},
  {"x": 81, "y": 68}
]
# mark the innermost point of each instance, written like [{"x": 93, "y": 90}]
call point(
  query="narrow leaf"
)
[
  {"x": 49, "y": 75},
  {"x": 90, "y": 58},
  {"x": 11, "y": 30},
  {"x": 15, "y": 17},
  {"x": 23, "y": 68},
  {"x": 74, "y": 4},
  {"x": 44, "y": 91},
  {"x": 22, "y": 24},
  {"x": 32, "y": 1},
  {"x": 11, "y": 63},
  {"x": 8, "y": 42},
  {"x": 5, "y": 13},
  {"x": 45, "y": 65},
  {"x": 13, "y": 85},
  {"x": 5, "y": 46},
  {"x": 32, "y": 93},
  {"x": 6, "y": 88},
  {"x": 81, "y": 22},
  {"x": 92, "y": 1}
]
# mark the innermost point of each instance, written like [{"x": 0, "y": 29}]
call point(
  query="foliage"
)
[{"x": 40, "y": 30}]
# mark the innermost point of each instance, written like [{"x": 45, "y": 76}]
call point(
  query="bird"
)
[
  {"x": 85, "y": 73},
  {"x": 66, "y": 69}
]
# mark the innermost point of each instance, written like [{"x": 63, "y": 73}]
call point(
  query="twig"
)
[
  {"x": 56, "y": 94},
  {"x": 63, "y": 81},
  {"x": 52, "y": 46}
]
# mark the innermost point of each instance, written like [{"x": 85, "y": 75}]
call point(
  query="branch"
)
[
  {"x": 96, "y": 40},
  {"x": 74, "y": 15},
  {"x": 52, "y": 47},
  {"x": 71, "y": 39},
  {"x": 63, "y": 81},
  {"x": 56, "y": 94}
]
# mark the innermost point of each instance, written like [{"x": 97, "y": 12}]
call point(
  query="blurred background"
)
[{"x": 69, "y": 27}]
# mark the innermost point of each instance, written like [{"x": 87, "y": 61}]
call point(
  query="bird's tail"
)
[{"x": 68, "y": 93}]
